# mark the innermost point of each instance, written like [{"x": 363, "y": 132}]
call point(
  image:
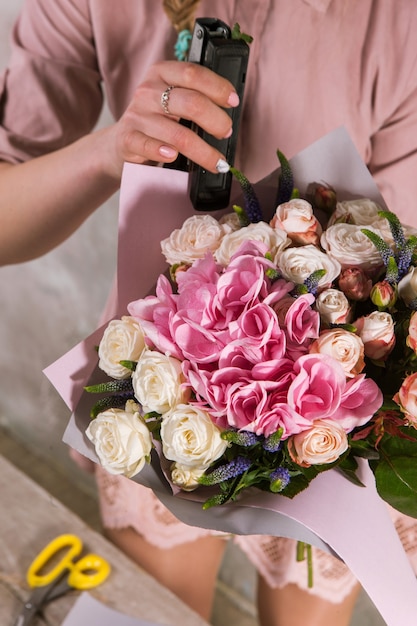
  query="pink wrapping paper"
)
[{"x": 333, "y": 514}]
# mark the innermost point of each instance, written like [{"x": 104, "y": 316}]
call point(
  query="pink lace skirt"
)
[{"x": 124, "y": 503}]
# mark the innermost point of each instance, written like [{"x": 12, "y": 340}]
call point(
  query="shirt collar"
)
[{"x": 319, "y": 5}]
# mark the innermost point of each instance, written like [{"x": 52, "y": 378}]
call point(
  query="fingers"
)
[
  {"x": 198, "y": 78},
  {"x": 176, "y": 139},
  {"x": 150, "y": 128}
]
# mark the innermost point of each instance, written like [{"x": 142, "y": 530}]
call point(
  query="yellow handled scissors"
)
[{"x": 56, "y": 570}]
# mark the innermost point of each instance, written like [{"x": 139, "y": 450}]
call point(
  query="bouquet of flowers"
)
[{"x": 272, "y": 350}]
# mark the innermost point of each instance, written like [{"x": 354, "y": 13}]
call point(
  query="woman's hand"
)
[{"x": 147, "y": 133}]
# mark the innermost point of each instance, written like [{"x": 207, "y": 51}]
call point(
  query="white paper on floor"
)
[{"x": 87, "y": 611}]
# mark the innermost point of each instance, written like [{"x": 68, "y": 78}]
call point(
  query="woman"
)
[{"x": 314, "y": 65}]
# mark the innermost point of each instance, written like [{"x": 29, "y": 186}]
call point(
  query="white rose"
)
[
  {"x": 351, "y": 247},
  {"x": 319, "y": 445},
  {"x": 122, "y": 441},
  {"x": 190, "y": 438},
  {"x": 407, "y": 287},
  {"x": 198, "y": 235},
  {"x": 275, "y": 240},
  {"x": 123, "y": 340},
  {"x": 362, "y": 212},
  {"x": 345, "y": 347},
  {"x": 158, "y": 382},
  {"x": 296, "y": 264},
  {"x": 333, "y": 306},
  {"x": 186, "y": 477}
]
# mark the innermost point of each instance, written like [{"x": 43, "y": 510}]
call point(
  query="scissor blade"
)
[{"x": 32, "y": 606}]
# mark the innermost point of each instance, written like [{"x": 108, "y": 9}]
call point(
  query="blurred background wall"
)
[{"x": 47, "y": 306}]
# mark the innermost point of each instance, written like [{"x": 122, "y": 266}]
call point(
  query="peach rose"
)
[
  {"x": 297, "y": 219},
  {"x": 377, "y": 333},
  {"x": 407, "y": 398},
  {"x": 319, "y": 445},
  {"x": 412, "y": 333},
  {"x": 345, "y": 347}
]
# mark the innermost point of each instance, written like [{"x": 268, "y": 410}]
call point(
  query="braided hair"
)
[{"x": 181, "y": 13}]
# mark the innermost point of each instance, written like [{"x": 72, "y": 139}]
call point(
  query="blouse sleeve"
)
[{"x": 50, "y": 93}]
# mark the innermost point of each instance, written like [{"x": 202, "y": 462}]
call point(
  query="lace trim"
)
[{"x": 125, "y": 503}]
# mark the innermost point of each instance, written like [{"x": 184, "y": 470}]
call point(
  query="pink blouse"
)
[{"x": 314, "y": 65}]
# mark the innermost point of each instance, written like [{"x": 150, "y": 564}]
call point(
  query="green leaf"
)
[
  {"x": 396, "y": 482},
  {"x": 130, "y": 365},
  {"x": 237, "y": 34},
  {"x": 396, "y": 472}
]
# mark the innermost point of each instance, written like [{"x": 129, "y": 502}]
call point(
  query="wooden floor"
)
[{"x": 229, "y": 610}]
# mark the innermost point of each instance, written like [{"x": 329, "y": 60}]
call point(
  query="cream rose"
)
[
  {"x": 377, "y": 333},
  {"x": 333, "y": 306},
  {"x": 351, "y": 247},
  {"x": 275, "y": 240},
  {"x": 158, "y": 382},
  {"x": 198, "y": 235},
  {"x": 343, "y": 346},
  {"x": 297, "y": 219},
  {"x": 296, "y": 264},
  {"x": 190, "y": 438},
  {"x": 123, "y": 340},
  {"x": 407, "y": 287},
  {"x": 186, "y": 477},
  {"x": 319, "y": 445},
  {"x": 122, "y": 441}
]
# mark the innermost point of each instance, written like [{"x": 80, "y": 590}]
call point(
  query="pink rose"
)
[
  {"x": 302, "y": 324},
  {"x": 317, "y": 389},
  {"x": 280, "y": 415},
  {"x": 247, "y": 403},
  {"x": 360, "y": 400},
  {"x": 154, "y": 314},
  {"x": 243, "y": 283},
  {"x": 215, "y": 387},
  {"x": 407, "y": 398},
  {"x": 260, "y": 334},
  {"x": 195, "y": 342}
]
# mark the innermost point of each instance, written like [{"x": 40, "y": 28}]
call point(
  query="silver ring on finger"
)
[{"x": 165, "y": 99}]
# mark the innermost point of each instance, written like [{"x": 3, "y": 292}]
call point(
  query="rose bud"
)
[
  {"x": 324, "y": 198},
  {"x": 355, "y": 284},
  {"x": 384, "y": 295}
]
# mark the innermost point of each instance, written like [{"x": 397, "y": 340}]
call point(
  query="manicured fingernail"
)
[
  {"x": 229, "y": 134},
  {"x": 167, "y": 152},
  {"x": 222, "y": 166},
  {"x": 233, "y": 100}
]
